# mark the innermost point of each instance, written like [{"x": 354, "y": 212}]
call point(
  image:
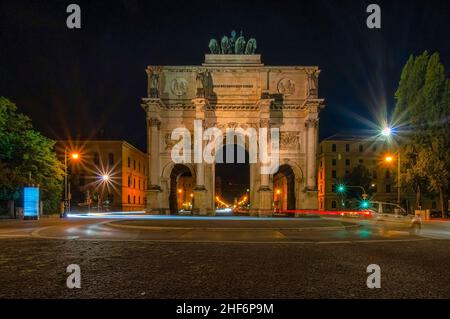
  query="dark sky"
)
[{"x": 80, "y": 82}]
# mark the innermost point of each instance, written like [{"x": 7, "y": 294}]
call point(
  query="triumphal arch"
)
[{"x": 232, "y": 88}]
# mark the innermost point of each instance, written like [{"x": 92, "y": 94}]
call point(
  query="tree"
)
[
  {"x": 27, "y": 157},
  {"x": 359, "y": 176},
  {"x": 423, "y": 105}
]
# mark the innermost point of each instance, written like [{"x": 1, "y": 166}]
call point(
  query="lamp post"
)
[
  {"x": 387, "y": 133},
  {"x": 74, "y": 156},
  {"x": 388, "y": 159}
]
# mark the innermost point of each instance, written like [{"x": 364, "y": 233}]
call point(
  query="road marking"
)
[{"x": 320, "y": 228}]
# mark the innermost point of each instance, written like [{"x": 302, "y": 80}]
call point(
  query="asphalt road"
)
[{"x": 223, "y": 259}]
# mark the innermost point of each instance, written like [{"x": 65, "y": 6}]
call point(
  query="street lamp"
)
[
  {"x": 386, "y": 131},
  {"x": 388, "y": 159},
  {"x": 74, "y": 156}
]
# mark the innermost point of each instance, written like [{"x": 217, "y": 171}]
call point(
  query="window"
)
[
  {"x": 134, "y": 182},
  {"x": 388, "y": 174},
  {"x": 333, "y": 188},
  {"x": 111, "y": 159},
  {"x": 333, "y": 204},
  {"x": 334, "y": 162},
  {"x": 333, "y": 174},
  {"x": 129, "y": 199},
  {"x": 347, "y": 148},
  {"x": 139, "y": 184},
  {"x": 333, "y": 147},
  {"x": 347, "y": 162},
  {"x": 139, "y": 166},
  {"x": 139, "y": 199},
  {"x": 129, "y": 162},
  {"x": 96, "y": 159},
  {"x": 134, "y": 164},
  {"x": 361, "y": 148},
  {"x": 374, "y": 174},
  {"x": 134, "y": 199},
  {"x": 388, "y": 188}
]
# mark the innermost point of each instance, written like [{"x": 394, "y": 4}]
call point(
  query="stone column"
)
[
  {"x": 265, "y": 189},
  {"x": 153, "y": 108},
  {"x": 311, "y": 125},
  {"x": 200, "y": 191},
  {"x": 154, "y": 125}
]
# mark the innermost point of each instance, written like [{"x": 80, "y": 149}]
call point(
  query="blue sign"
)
[{"x": 31, "y": 202}]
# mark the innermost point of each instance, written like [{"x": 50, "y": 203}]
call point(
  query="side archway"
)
[
  {"x": 181, "y": 182},
  {"x": 284, "y": 188}
]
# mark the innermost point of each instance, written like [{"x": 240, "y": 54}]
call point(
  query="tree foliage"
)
[
  {"x": 359, "y": 176},
  {"x": 27, "y": 157},
  {"x": 423, "y": 105}
]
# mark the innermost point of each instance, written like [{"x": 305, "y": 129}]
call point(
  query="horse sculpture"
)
[
  {"x": 251, "y": 46},
  {"x": 225, "y": 44},
  {"x": 239, "y": 46},
  {"x": 214, "y": 46}
]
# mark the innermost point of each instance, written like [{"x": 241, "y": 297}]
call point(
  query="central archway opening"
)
[
  {"x": 181, "y": 190},
  {"x": 284, "y": 189},
  {"x": 232, "y": 180}
]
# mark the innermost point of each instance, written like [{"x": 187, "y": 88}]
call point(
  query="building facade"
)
[
  {"x": 232, "y": 91},
  {"x": 339, "y": 154},
  {"x": 105, "y": 175}
]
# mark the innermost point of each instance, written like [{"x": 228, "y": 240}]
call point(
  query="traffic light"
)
[
  {"x": 364, "y": 204},
  {"x": 340, "y": 188}
]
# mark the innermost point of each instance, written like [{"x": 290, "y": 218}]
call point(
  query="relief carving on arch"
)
[{"x": 289, "y": 140}]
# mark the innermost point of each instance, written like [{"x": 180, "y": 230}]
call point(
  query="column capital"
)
[
  {"x": 152, "y": 106},
  {"x": 311, "y": 122},
  {"x": 154, "y": 121}
]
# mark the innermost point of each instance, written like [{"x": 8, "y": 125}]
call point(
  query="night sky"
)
[{"x": 89, "y": 82}]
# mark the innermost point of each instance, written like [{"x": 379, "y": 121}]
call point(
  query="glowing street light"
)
[
  {"x": 386, "y": 131},
  {"x": 74, "y": 156},
  {"x": 105, "y": 177},
  {"x": 388, "y": 158}
]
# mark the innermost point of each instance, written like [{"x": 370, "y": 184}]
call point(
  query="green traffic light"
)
[{"x": 364, "y": 204}]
